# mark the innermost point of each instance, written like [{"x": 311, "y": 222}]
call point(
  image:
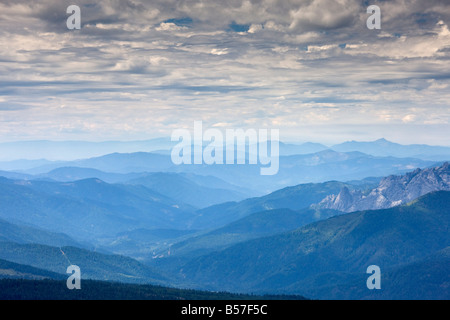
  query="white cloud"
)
[
  {"x": 324, "y": 14},
  {"x": 141, "y": 68},
  {"x": 219, "y": 52},
  {"x": 409, "y": 118},
  {"x": 271, "y": 25},
  {"x": 254, "y": 28},
  {"x": 169, "y": 26}
]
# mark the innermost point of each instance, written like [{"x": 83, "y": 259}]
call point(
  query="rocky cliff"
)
[{"x": 392, "y": 191}]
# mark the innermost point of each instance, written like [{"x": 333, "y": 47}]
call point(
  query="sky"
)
[{"x": 141, "y": 69}]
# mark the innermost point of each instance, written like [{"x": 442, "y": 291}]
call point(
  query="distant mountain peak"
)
[{"x": 383, "y": 140}]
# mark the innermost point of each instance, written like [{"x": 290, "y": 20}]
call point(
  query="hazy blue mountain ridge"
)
[
  {"x": 89, "y": 208},
  {"x": 385, "y": 148}
]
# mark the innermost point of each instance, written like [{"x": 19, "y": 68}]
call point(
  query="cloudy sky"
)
[{"x": 141, "y": 69}]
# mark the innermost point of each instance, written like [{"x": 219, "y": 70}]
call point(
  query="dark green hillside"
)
[
  {"x": 11, "y": 270},
  {"x": 343, "y": 244},
  {"x": 93, "y": 265},
  {"x": 100, "y": 290},
  {"x": 260, "y": 224},
  {"x": 426, "y": 279}
]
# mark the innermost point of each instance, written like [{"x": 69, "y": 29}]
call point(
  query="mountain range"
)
[
  {"x": 299, "y": 163},
  {"x": 391, "y": 191},
  {"x": 90, "y": 208},
  {"x": 73, "y": 150},
  {"x": 333, "y": 251},
  {"x": 385, "y": 148},
  {"x": 311, "y": 230},
  {"x": 294, "y": 198}
]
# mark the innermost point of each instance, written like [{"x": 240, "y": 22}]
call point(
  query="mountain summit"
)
[{"x": 391, "y": 191}]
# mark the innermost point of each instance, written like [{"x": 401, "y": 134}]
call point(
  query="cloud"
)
[
  {"x": 409, "y": 118},
  {"x": 254, "y": 28},
  {"x": 139, "y": 68},
  {"x": 324, "y": 15},
  {"x": 169, "y": 26},
  {"x": 219, "y": 52}
]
